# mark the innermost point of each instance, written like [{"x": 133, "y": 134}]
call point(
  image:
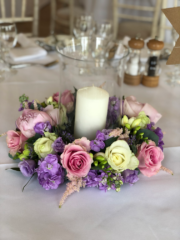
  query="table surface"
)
[{"x": 148, "y": 210}]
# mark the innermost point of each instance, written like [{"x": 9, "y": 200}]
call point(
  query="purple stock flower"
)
[
  {"x": 130, "y": 176},
  {"x": 97, "y": 145},
  {"x": 50, "y": 164},
  {"x": 50, "y": 172},
  {"x": 100, "y": 136},
  {"x": 48, "y": 181},
  {"x": 58, "y": 145},
  {"x": 107, "y": 132},
  {"x": 99, "y": 179},
  {"x": 42, "y": 127},
  {"x": 113, "y": 111},
  {"x": 27, "y": 167}
]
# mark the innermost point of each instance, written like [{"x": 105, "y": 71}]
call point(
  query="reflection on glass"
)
[
  {"x": 8, "y": 39},
  {"x": 84, "y": 26},
  {"x": 104, "y": 30}
]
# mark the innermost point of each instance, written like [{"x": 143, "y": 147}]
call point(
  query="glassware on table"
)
[
  {"x": 174, "y": 75},
  {"x": 104, "y": 29},
  {"x": 84, "y": 26},
  {"x": 91, "y": 62},
  {"x": 8, "y": 39}
]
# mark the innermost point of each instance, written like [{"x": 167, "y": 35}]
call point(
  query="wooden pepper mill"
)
[
  {"x": 132, "y": 74},
  {"x": 152, "y": 70}
]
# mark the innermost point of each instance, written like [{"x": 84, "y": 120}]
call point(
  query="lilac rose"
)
[{"x": 27, "y": 167}]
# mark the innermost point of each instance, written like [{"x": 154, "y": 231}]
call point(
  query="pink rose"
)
[
  {"x": 84, "y": 143},
  {"x": 53, "y": 113},
  {"x": 76, "y": 160},
  {"x": 67, "y": 99},
  {"x": 56, "y": 97},
  {"x": 28, "y": 120},
  {"x": 132, "y": 108},
  {"x": 150, "y": 158},
  {"x": 15, "y": 141}
]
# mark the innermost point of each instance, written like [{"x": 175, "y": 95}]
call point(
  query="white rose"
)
[{"x": 120, "y": 156}]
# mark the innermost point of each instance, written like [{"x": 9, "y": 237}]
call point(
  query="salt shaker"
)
[
  {"x": 132, "y": 69},
  {"x": 152, "y": 69}
]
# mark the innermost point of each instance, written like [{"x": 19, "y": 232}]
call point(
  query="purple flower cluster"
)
[
  {"x": 67, "y": 137},
  {"x": 99, "y": 179},
  {"x": 27, "y": 167},
  {"x": 130, "y": 176},
  {"x": 50, "y": 172},
  {"x": 132, "y": 140},
  {"x": 58, "y": 145},
  {"x": 158, "y": 132},
  {"x": 98, "y": 144},
  {"x": 42, "y": 127},
  {"x": 113, "y": 111}
]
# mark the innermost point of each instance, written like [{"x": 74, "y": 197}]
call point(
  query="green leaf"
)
[
  {"x": 15, "y": 169},
  {"x": 133, "y": 149},
  {"x": 109, "y": 141},
  {"x": 149, "y": 134},
  {"x": 33, "y": 139},
  {"x": 14, "y": 158}
]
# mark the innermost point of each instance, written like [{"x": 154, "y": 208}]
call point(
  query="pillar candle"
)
[{"x": 91, "y": 111}]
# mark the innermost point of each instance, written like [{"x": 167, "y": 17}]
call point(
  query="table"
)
[{"x": 148, "y": 210}]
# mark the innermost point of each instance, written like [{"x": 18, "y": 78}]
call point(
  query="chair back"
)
[
  {"x": 66, "y": 22},
  {"x": 154, "y": 20},
  {"x": 22, "y": 17}
]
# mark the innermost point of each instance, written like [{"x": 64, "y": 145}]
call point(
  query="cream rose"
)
[{"x": 120, "y": 157}]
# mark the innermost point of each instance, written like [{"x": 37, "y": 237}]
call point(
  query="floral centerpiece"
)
[{"x": 43, "y": 143}]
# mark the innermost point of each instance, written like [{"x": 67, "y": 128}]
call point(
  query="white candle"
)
[{"x": 91, "y": 111}]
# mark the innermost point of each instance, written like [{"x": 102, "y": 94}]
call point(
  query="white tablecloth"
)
[{"x": 148, "y": 210}]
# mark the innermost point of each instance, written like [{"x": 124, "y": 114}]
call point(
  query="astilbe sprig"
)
[{"x": 73, "y": 186}]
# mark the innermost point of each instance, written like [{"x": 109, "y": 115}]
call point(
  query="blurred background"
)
[{"x": 142, "y": 18}]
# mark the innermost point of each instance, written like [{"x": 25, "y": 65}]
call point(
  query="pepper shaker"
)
[{"x": 152, "y": 69}]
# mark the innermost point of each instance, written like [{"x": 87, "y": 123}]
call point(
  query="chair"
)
[
  {"x": 22, "y": 18},
  {"x": 163, "y": 20},
  {"x": 153, "y": 21},
  {"x": 65, "y": 15}
]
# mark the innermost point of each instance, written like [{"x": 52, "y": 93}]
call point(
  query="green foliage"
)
[
  {"x": 99, "y": 167},
  {"x": 149, "y": 135},
  {"x": 133, "y": 149},
  {"x": 16, "y": 157},
  {"x": 34, "y": 138},
  {"x": 15, "y": 169},
  {"x": 23, "y": 98},
  {"x": 109, "y": 141},
  {"x": 43, "y": 104}
]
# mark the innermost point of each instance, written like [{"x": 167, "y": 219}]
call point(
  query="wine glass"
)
[
  {"x": 174, "y": 75},
  {"x": 8, "y": 39},
  {"x": 104, "y": 29},
  {"x": 84, "y": 26}
]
